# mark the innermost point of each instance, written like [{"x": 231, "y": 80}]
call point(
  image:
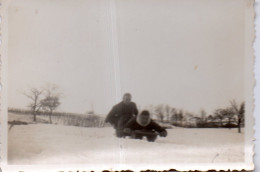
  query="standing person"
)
[{"x": 121, "y": 113}]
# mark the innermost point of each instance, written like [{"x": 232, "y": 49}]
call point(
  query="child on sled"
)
[{"x": 143, "y": 125}]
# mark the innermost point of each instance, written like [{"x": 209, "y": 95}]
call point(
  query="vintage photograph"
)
[{"x": 127, "y": 85}]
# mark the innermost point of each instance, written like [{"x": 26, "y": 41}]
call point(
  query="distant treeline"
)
[
  {"x": 231, "y": 116},
  {"x": 73, "y": 119}
]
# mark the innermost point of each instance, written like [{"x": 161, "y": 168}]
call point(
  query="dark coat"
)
[
  {"x": 152, "y": 126},
  {"x": 121, "y": 112}
]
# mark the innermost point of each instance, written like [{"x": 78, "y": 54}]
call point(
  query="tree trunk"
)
[
  {"x": 34, "y": 116},
  {"x": 229, "y": 122},
  {"x": 239, "y": 125},
  {"x": 50, "y": 117}
]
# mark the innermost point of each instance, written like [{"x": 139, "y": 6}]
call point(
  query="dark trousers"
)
[{"x": 120, "y": 127}]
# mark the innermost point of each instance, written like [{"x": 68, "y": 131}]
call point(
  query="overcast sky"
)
[{"x": 185, "y": 53}]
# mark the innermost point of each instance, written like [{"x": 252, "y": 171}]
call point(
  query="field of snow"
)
[{"x": 56, "y": 144}]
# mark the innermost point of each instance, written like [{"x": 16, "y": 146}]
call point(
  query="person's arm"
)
[
  {"x": 111, "y": 116},
  {"x": 135, "y": 110},
  {"x": 129, "y": 126},
  {"x": 130, "y": 123},
  {"x": 159, "y": 129}
]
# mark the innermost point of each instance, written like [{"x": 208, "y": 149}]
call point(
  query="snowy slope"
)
[{"x": 55, "y": 144}]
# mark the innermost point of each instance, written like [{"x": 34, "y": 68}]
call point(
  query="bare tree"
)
[
  {"x": 203, "y": 115},
  {"x": 225, "y": 113},
  {"x": 219, "y": 115},
  {"x": 210, "y": 118},
  {"x": 35, "y": 104},
  {"x": 228, "y": 113},
  {"x": 51, "y": 100},
  {"x": 173, "y": 113},
  {"x": 151, "y": 108},
  {"x": 167, "y": 110},
  {"x": 239, "y": 111},
  {"x": 159, "y": 110},
  {"x": 180, "y": 117},
  {"x": 189, "y": 119}
]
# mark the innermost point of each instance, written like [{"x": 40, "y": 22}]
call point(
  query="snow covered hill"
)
[{"x": 56, "y": 144}]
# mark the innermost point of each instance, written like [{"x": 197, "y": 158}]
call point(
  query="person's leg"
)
[
  {"x": 152, "y": 137},
  {"x": 120, "y": 127},
  {"x": 119, "y": 133},
  {"x": 135, "y": 135}
]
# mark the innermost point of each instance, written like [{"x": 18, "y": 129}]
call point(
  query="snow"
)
[{"x": 59, "y": 144}]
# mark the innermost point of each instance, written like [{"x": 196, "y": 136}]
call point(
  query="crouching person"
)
[{"x": 143, "y": 125}]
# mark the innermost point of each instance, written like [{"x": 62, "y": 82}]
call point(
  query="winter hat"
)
[{"x": 145, "y": 113}]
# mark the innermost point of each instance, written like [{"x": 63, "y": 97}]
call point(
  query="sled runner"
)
[{"x": 139, "y": 134}]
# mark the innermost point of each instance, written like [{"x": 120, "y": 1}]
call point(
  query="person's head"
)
[
  {"x": 144, "y": 118},
  {"x": 127, "y": 98}
]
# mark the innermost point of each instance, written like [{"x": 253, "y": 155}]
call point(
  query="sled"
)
[{"x": 151, "y": 136}]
